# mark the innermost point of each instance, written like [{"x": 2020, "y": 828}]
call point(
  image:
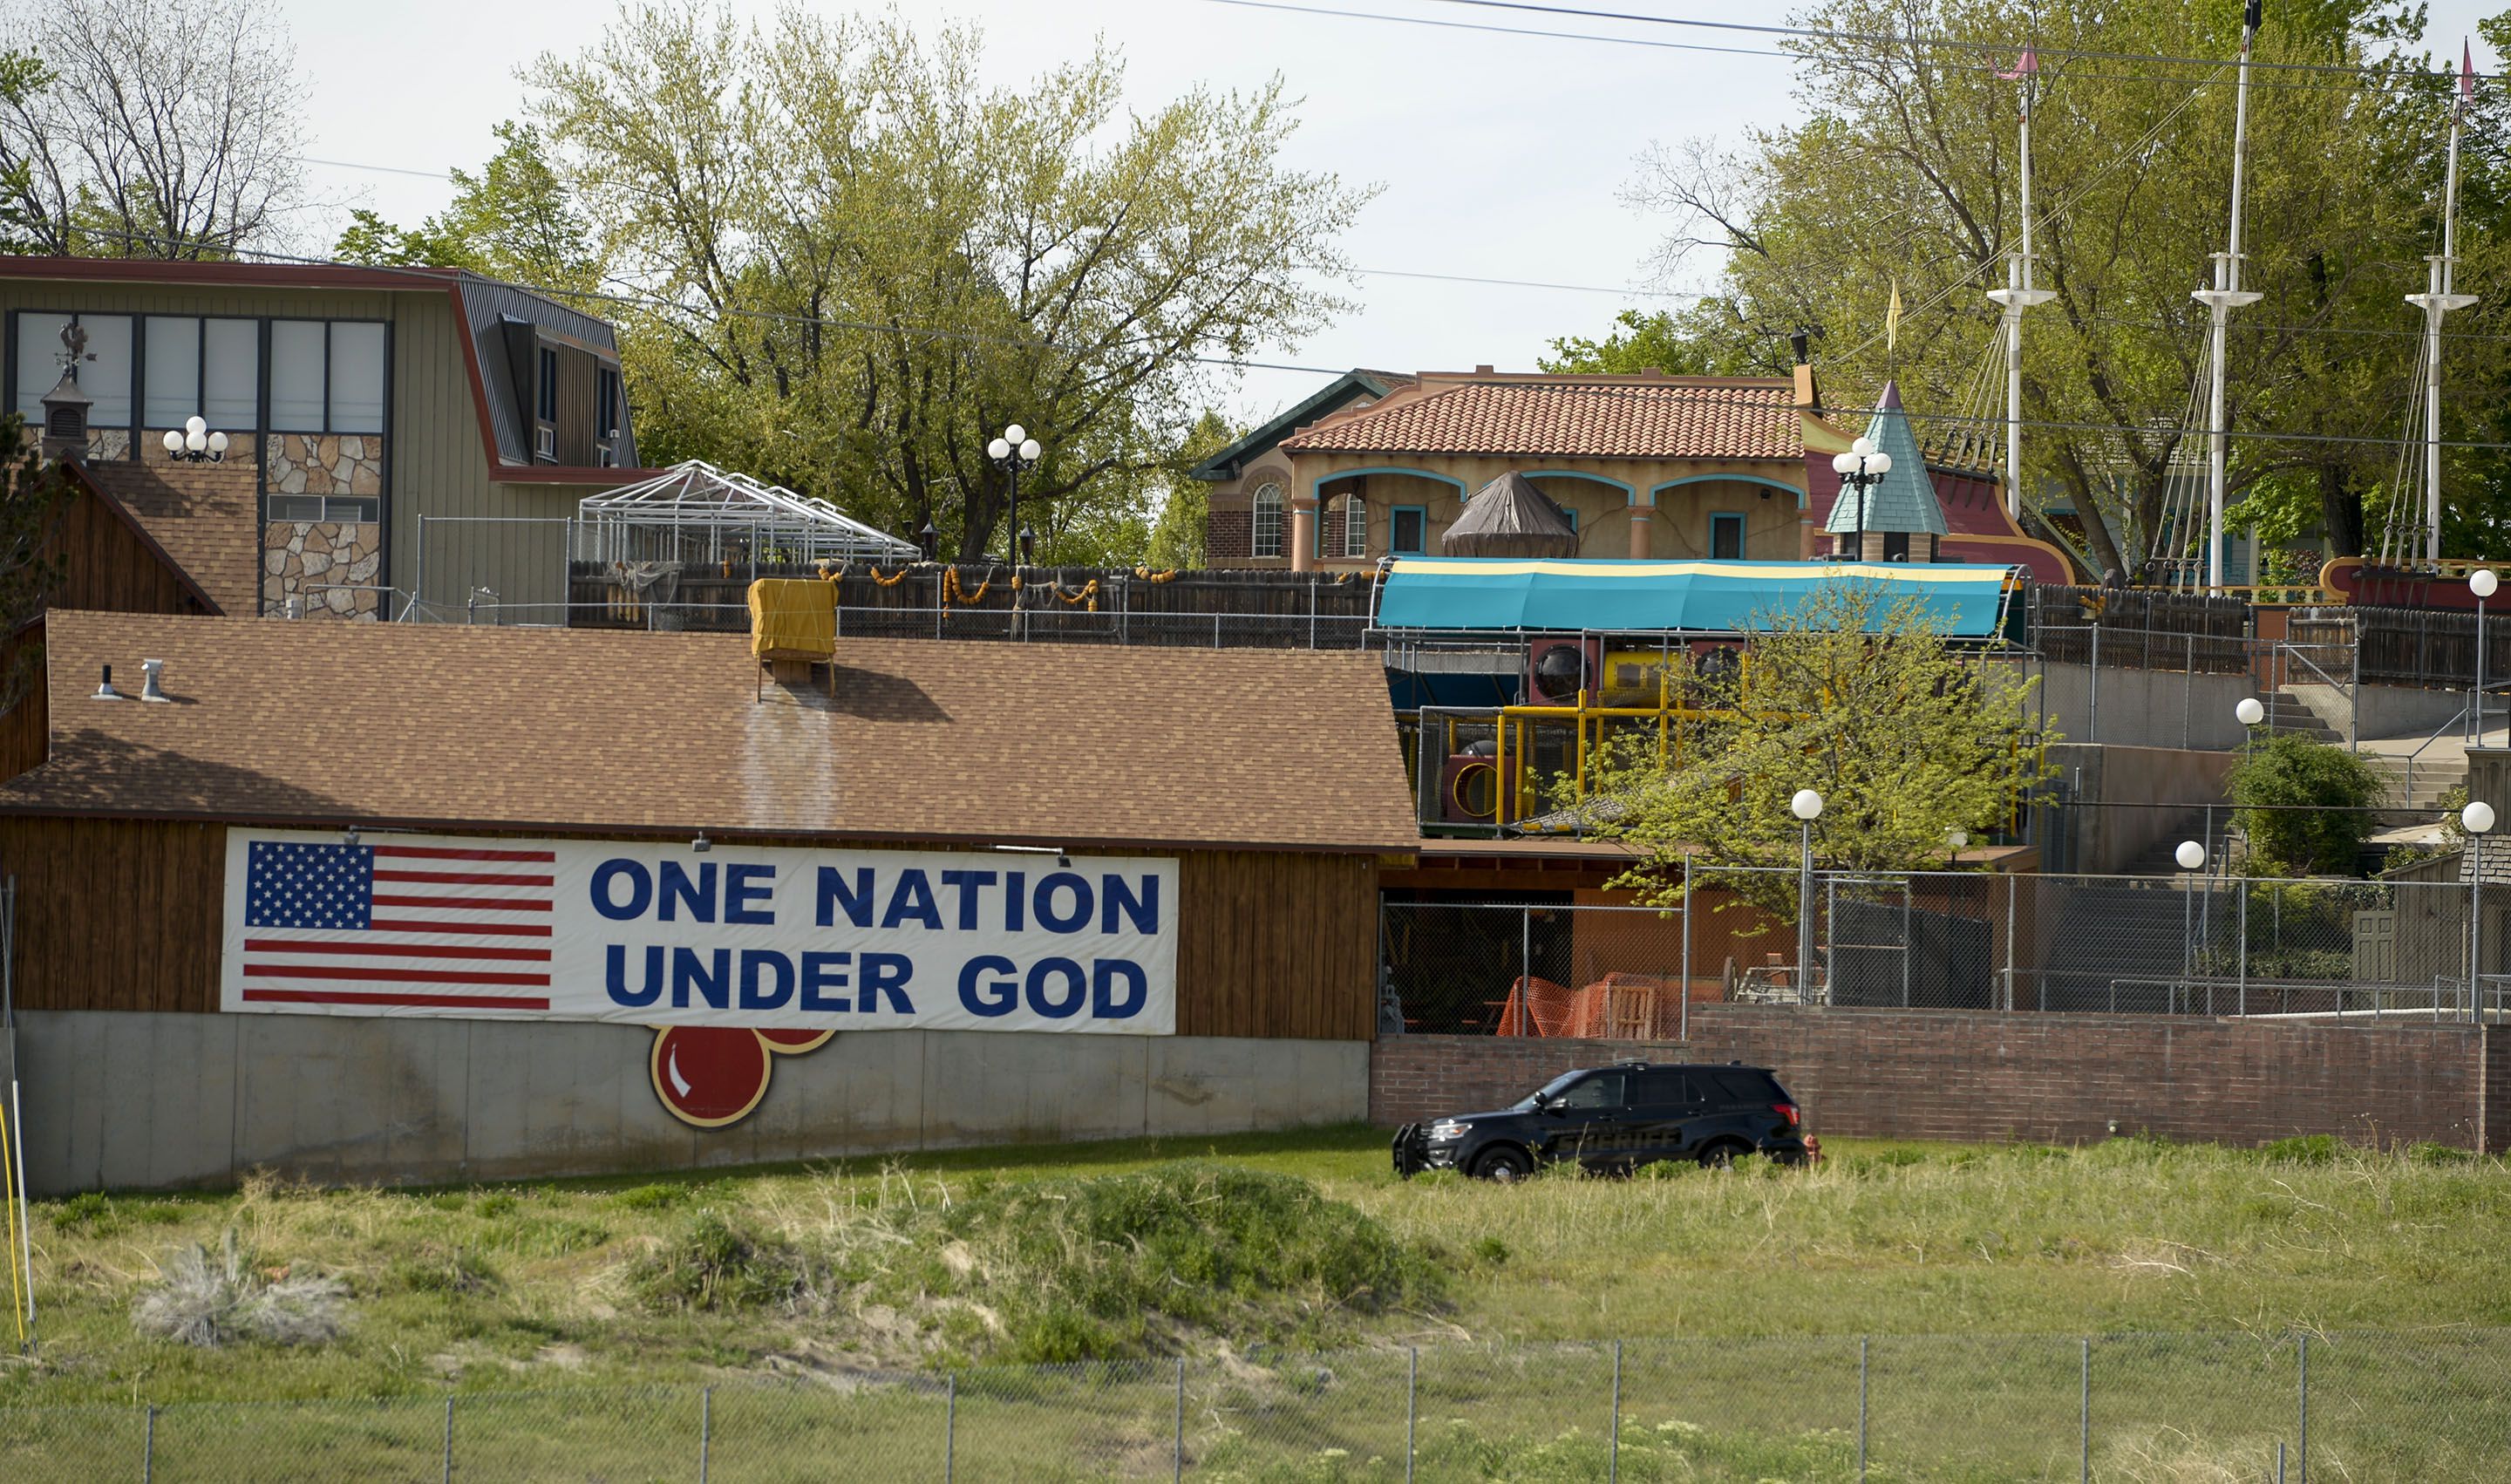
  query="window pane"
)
[
  {"x": 1404, "y": 535},
  {"x": 108, "y": 377},
  {"x": 356, "y": 379},
  {"x": 1355, "y": 527},
  {"x": 233, "y": 385},
  {"x": 172, "y": 373},
  {"x": 1268, "y": 521},
  {"x": 39, "y": 348},
  {"x": 297, "y": 375}
]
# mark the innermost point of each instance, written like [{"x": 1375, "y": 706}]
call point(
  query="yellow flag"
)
[{"x": 1892, "y": 318}]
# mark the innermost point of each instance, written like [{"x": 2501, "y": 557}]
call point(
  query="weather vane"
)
[{"x": 73, "y": 349}]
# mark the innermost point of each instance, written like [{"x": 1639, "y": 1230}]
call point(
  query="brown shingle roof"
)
[
  {"x": 206, "y": 516},
  {"x": 576, "y": 730},
  {"x": 1597, "y": 417}
]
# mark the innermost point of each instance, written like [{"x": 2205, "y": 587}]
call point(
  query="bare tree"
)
[{"x": 158, "y": 127}]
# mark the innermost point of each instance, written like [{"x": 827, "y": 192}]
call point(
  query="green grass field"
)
[{"x": 532, "y": 1306}]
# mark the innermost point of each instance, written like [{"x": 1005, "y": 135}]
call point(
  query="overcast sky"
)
[{"x": 1500, "y": 156}]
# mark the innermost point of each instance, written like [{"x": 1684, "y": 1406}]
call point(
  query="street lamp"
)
[
  {"x": 194, "y": 443},
  {"x": 1013, "y": 453},
  {"x": 2190, "y": 855},
  {"x": 1028, "y": 546},
  {"x": 2477, "y": 819},
  {"x": 1861, "y": 469},
  {"x": 2482, "y": 582},
  {"x": 1956, "y": 841},
  {"x": 930, "y": 539},
  {"x": 2250, "y": 713},
  {"x": 1806, "y": 807}
]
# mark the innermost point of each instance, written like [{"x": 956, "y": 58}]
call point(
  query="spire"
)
[{"x": 1905, "y": 498}]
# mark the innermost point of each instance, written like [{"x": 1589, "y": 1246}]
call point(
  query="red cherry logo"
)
[{"x": 714, "y": 1077}]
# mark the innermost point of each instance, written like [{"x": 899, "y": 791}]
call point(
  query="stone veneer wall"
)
[
  {"x": 301, "y": 555},
  {"x": 324, "y": 463}
]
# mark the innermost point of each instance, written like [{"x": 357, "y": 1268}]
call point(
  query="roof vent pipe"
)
[
  {"x": 151, "y": 673},
  {"x": 104, "y": 690}
]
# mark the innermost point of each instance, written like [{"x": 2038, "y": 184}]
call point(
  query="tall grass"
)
[{"x": 1118, "y": 1249}]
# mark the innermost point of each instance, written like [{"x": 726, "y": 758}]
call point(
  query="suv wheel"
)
[
  {"x": 1722, "y": 1155},
  {"x": 1504, "y": 1164}
]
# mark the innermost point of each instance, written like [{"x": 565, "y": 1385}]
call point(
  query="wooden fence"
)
[
  {"x": 2140, "y": 629},
  {"x": 2430, "y": 647},
  {"x": 1070, "y": 603}
]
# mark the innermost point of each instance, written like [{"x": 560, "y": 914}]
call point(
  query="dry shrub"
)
[{"x": 209, "y": 1303}]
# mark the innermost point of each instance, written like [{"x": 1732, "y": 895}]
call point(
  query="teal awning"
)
[{"x": 1700, "y": 597}]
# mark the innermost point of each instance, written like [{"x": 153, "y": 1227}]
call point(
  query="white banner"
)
[{"x": 665, "y": 934}]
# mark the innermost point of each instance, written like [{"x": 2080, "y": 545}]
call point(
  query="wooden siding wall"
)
[
  {"x": 1276, "y": 944},
  {"x": 129, "y": 916},
  {"x": 105, "y": 565},
  {"x": 26, "y": 729},
  {"x": 115, "y": 914}
]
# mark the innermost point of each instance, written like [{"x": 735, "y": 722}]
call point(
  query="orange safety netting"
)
[{"x": 1616, "y": 1007}]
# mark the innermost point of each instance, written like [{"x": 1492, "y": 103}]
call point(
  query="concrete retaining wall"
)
[
  {"x": 1952, "y": 1075},
  {"x": 119, "y": 1099},
  {"x": 2144, "y": 708}
]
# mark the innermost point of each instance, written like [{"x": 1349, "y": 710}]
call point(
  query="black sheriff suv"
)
[{"x": 1612, "y": 1119}]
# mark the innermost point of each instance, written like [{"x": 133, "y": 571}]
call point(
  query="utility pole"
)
[{"x": 2220, "y": 300}]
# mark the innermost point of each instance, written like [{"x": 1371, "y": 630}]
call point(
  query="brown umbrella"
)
[{"x": 1510, "y": 518}]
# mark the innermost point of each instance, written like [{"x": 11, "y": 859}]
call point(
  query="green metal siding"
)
[{"x": 441, "y": 472}]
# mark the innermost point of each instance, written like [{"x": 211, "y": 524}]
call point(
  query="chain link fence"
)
[
  {"x": 2357, "y": 1405},
  {"x": 2327, "y": 950}
]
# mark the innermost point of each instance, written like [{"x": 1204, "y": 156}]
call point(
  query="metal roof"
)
[{"x": 698, "y": 495}]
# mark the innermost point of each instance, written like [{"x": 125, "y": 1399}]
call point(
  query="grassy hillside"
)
[{"x": 1301, "y": 1241}]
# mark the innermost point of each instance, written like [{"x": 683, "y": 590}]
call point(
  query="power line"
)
[
  {"x": 433, "y": 276},
  {"x": 2384, "y": 80},
  {"x": 1993, "y": 49}
]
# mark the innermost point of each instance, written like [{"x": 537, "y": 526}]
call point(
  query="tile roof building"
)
[{"x": 1640, "y": 465}]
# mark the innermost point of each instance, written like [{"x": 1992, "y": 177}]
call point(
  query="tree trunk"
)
[{"x": 2340, "y": 511}]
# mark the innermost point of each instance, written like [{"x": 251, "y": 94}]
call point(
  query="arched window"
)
[
  {"x": 1268, "y": 521},
  {"x": 1355, "y": 526}
]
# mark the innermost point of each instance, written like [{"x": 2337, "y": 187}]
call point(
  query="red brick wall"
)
[
  {"x": 1954, "y": 1075},
  {"x": 1229, "y": 535}
]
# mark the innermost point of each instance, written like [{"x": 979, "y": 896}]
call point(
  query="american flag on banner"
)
[{"x": 415, "y": 926}]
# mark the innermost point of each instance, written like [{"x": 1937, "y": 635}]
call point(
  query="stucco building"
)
[{"x": 1644, "y": 466}]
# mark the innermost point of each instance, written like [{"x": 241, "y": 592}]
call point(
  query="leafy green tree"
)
[
  {"x": 1639, "y": 342},
  {"x": 1179, "y": 540},
  {"x": 1903, "y": 170},
  {"x": 2303, "y": 807},
  {"x": 853, "y": 261},
  {"x": 30, "y": 501},
  {"x": 1854, "y": 696},
  {"x": 512, "y": 220}
]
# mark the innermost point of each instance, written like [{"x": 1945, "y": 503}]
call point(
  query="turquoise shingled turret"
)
[{"x": 1904, "y": 499}]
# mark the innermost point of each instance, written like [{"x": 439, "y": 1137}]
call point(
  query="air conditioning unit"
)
[
  {"x": 544, "y": 444},
  {"x": 606, "y": 457}
]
